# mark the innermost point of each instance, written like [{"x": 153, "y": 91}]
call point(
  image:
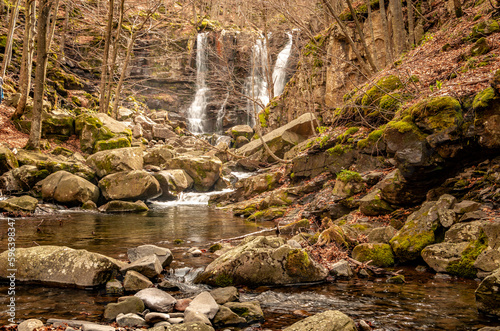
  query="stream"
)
[{"x": 426, "y": 302}]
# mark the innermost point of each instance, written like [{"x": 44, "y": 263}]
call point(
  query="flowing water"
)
[
  {"x": 280, "y": 68},
  {"x": 425, "y": 302},
  {"x": 196, "y": 112}
]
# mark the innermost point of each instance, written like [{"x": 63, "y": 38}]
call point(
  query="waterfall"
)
[
  {"x": 196, "y": 112},
  {"x": 256, "y": 83},
  {"x": 220, "y": 115},
  {"x": 279, "y": 72}
]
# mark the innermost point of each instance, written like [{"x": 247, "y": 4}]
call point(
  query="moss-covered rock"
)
[
  {"x": 204, "y": 170},
  {"x": 159, "y": 156},
  {"x": 130, "y": 185},
  {"x": 495, "y": 81},
  {"x": 267, "y": 214},
  {"x": 117, "y": 206},
  {"x": 112, "y": 143},
  {"x": 25, "y": 204},
  {"x": 8, "y": 160},
  {"x": 112, "y": 161},
  {"x": 437, "y": 114},
  {"x": 380, "y": 254},
  {"x": 373, "y": 205},
  {"x": 484, "y": 98},
  {"x": 331, "y": 320},
  {"x": 483, "y": 29},
  {"x": 21, "y": 179},
  {"x": 298, "y": 226},
  {"x": 334, "y": 234},
  {"x": 59, "y": 126},
  {"x": 67, "y": 188},
  {"x": 382, "y": 87},
  {"x": 480, "y": 47}
]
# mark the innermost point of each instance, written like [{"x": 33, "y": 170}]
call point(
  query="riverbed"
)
[{"x": 426, "y": 302}]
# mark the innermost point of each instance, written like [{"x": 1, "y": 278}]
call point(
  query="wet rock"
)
[
  {"x": 129, "y": 305},
  {"x": 399, "y": 279},
  {"x": 61, "y": 265},
  {"x": 341, "y": 269},
  {"x": 488, "y": 294},
  {"x": 204, "y": 170},
  {"x": 203, "y": 303},
  {"x": 194, "y": 252},
  {"x": 130, "y": 320},
  {"x": 149, "y": 266},
  {"x": 372, "y": 205},
  {"x": 89, "y": 205},
  {"x": 133, "y": 185},
  {"x": 440, "y": 256},
  {"x": 175, "y": 181},
  {"x": 167, "y": 285},
  {"x": 381, "y": 235},
  {"x": 153, "y": 318},
  {"x": 226, "y": 317},
  {"x": 24, "y": 204},
  {"x": 249, "y": 310},
  {"x": 30, "y": 325},
  {"x": 67, "y": 188},
  {"x": 156, "y": 300},
  {"x": 331, "y": 320},
  {"x": 193, "y": 316},
  {"x": 182, "y": 304},
  {"x": 117, "y": 206},
  {"x": 135, "y": 281},
  {"x": 114, "y": 287},
  {"x": 260, "y": 261},
  {"x": 164, "y": 254},
  {"x": 380, "y": 254},
  {"x": 223, "y": 295},
  {"x": 117, "y": 160},
  {"x": 8, "y": 160}
]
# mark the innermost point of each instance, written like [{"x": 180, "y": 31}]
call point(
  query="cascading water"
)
[
  {"x": 197, "y": 111},
  {"x": 220, "y": 115},
  {"x": 279, "y": 72}
]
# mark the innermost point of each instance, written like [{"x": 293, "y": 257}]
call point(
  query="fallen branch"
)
[{"x": 375, "y": 270}]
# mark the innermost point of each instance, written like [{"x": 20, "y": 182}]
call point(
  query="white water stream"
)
[{"x": 280, "y": 68}]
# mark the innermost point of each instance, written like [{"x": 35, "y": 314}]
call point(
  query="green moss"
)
[
  {"x": 465, "y": 266},
  {"x": 382, "y": 87},
  {"x": 120, "y": 142},
  {"x": 224, "y": 280},
  {"x": 399, "y": 279},
  {"x": 404, "y": 125},
  {"x": 297, "y": 263},
  {"x": 380, "y": 254},
  {"x": 338, "y": 150},
  {"x": 483, "y": 98},
  {"x": 484, "y": 29},
  {"x": 264, "y": 117},
  {"x": 411, "y": 245},
  {"x": 437, "y": 113},
  {"x": 348, "y": 176},
  {"x": 361, "y": 11},
  {"x": 390, "y": 102},
  {"x": 480, "y": 47},
  {"x": 215, "y": 247},
  {"x": 178, "y": 241}
]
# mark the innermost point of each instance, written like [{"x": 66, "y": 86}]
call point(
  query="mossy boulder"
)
[
  {"x": 268, "y": 214},
  {"x": 25, "y": 204},
  {"x": 67, "y": 188},
  {"x": 21, "y": 179},
  {"x": 159, "y": 156},
  {"x": 116, "y": 160},
  {"x": 8, "y": 160},
  {"x": 241, "y": 131},
  {"x": 419, "y": 231},
  {"x": 483, "y": 99},
  {"x": 93, "y": 128},
  {"x": 262, "y": 261},
  {"x": 130, "y": 185},
  {"x": 250, "y": 311},
  {"x": 495, "y": 82},
  {"x": 487, "y": 121},
  {"x": 382, "y": 87},
  {"x": 480, "y": 47},
  {"x": 112, "y": 143},
  {"x": 373, "y": 205},
  {"x": 117, "y": 206},
  {"x": 437, "y": 114},
  {"x": 204, "y": 170},
  {"x": 333, "y": 235},
  {"x": 59, "y": 126},
  {"x": 488, "y": 294},
  {"x": 247, "y": 187},
  {"x": 330, "y": 320},
  {"x": 484, "y": 29},
  {"x": 61, "y": 265},
  {"x": 176, "y": 180},
  {"x": 380, "y": 254}
]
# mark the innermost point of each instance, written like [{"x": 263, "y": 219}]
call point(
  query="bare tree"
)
[
  {"x": 387, "y": 37},
  {"x": 398, "y": 26},
  {"x": 10, "y": 37},
  {"x": 103, "y": 107}
]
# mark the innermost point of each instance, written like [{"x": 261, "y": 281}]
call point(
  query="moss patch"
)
[
  {"x": 349, "y": 176},
  {"x": 382, "y": 87},
  {"x": 483, "y": 98},
  {"x": 465, "y": 266}
]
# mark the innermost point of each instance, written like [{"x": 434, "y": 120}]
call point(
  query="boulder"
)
[
  {"x": 117, "y": 160},
  {"x": 159, "y": 156},
  {"x": 132, "y": 185},
  {"x": 130, "y": 320},
  {"x": 117, "y": 206},
  {"x": 156, "y": 300},
  {"x": 162, "y": 132},
  {"x": 442, "y": 256},
  {"x": 21, "y": 179},
  {"x": 124, "y": 113},
  {"x": 30, "y": 325},
  {"x": 67, "y": 188},
  {"x": 146, "y": 123},
  {"x": 240, "y": 142},
  {"x": 331, "y": 320},
  {"x": 61, "y": 265},
  {"x": 373, "y": 205},
  {"x": 203, "y": 303},
  {"x": 190, "y": 327},
  {"x": 114, "y": 287},
  {"x": 226, "y": 317},
  {"x": 59, "y": 126},
  {"x": 129, "y": 305},
  {"x": 134, "y": 281},
  {"x": 241, "y": 131},
  {"x": 204, "y": 170},
  {"x": 8, "y": 160},
  {"x": 488, "y": 294},
  {"x": 153, "y": 318},
  {"x": 24, "y": 204},
  {"x": 341, "y": 269},
  {"x": 249, "y": 310},
  {"x": 193, "y": 316},
  {"x": 381, "y": 235},
  {"x": 93, "y": 128},
  {"x": 163, "y": 254},
  {"x": 262, "y": 261},
  {"x": 284, "y": 138},
  {"x": 222, "y": 295},
  {"x": 247, "y": 187},
  {"x": 173, "y": 182},
  {"x": 380, "y": 254},
  {"x": 149, "y": 266}
]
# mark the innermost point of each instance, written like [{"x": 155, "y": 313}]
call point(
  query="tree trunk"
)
[
  {"x": 10, "y": 38},
  {"x": 411, "y": 23},
  {"x": 387, "y": 37},
  {"x": 27, "y": 58},
  {"x": 130, "y": 48},
  {"x": 362, "y": 37},
  {"x": 44, "y": 9},
  {"x": 103, "y": 107},
  {"x": 372, "y": 34},
  {"x": 457, "y": 6},
  {"x": 65, "y": 31},
  {"x": 398, "y": 26}
]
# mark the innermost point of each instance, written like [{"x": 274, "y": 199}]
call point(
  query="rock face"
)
[
  {"x": 488, "y": 294},
  {"x": 284, "y": 138},
  {"x": 22, "y": 178},
  {"x": 112, "y": 161},
  {"x": 19, "y": 204},
  {"x": 67, "y": 188},
  {"x": 61, "y": 265},
  {"x": 262, "y": 261},
  {"x": 331, "y": 320},
  {"x": 133, "y": 185},
  {"x": 204, "y": 170}
]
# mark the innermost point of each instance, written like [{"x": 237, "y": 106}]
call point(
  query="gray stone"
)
[
  {"x": 24, "y": 204},
  {"x": 466, "y": 206},
  {"x": 176, "y": 320},
  {"x": 203, "y": 303},
  {"x": 440, "y": 256},
  {"x": 129, "y": 305},
  {"x": 473, "y": 215},
  {"x": 487, "y": 262},
  {"x": 30, "y": 325},
  {"x": 226, "y": 316},
  {"x": 153, "y": 318},
  {"x": 373, "y": 205},
  {"x": 96, "y": 327},
  {"x": 331, "y": 320},
  {"x": 222, "y": 295},
  {"x": 114, "y": 287},
  {"x": 135, "y": 281},
  {"x": 67, "y": 188},
  {"x": 341, "y": 269},
  {"x": 149, "y": 266},
  {"x": 164, "y": 254},
  {"x": 381, "y": 235},
  {"x": 249, "y": 310},
  {"x": 61, "y": 265},
  {"x": 204, "y": 170},
  {"x": 159, "y": 155},
  {"x": 117, "y": 206},
  {"x": 190, "y": 327},
  {"x": 156, "y": 300},
  {"x": 133, "y": 185},
  {"x": 160, "y": 326},
  {"x": 130, "y": 320},
  {"x": 116, "y": 160},
  {"x": 193, "y": 316},
  {"x": 488, "y": 294}
]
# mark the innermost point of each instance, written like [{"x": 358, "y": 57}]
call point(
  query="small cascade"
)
[
  {"x": 197, "y": 111},
  {"x": 220, "y": 115},
  {"x": 256, "y": 83},
  {"x": 280, "y": 69},
  {"x": 190, "y": 199}
]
